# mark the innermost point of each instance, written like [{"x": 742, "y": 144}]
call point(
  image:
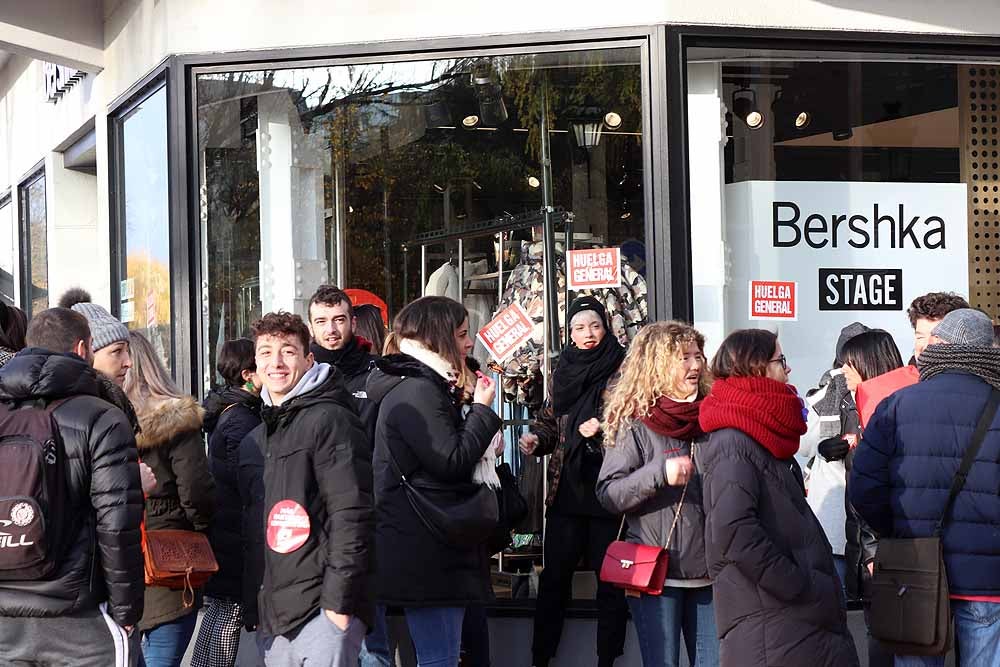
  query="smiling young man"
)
[
  {"x": 316, "y": 601},
  {"x": 332, "y": 325}
]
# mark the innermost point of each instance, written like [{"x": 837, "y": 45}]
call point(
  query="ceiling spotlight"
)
[
  {"x": 745, "y": 108},
  {"x": 533, "y": 182},
  {"x": 802, "y": 120},
  {"x": 843, "y": 134},
  {"x": 438, "y": 187},
  {"x": 612, "y": 120},
  {"x": 626, "y": 210},
  {"x": 470, "y": 122}
]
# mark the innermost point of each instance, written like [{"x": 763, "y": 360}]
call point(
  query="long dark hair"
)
[
  {"x": 13, "y": 327},
  {"x": 370, "y": 326},
  {"x": 745, "y": 353},
  {"x": 432, "y": 321},
  {"x": 872, "y": 353}
]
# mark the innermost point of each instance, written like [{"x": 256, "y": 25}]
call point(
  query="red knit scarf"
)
[
  {"x": 674, "y": 419},
  {"x": 768, "y": 411}
]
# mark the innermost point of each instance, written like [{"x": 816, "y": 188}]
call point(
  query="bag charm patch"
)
[{"x": 288, "y": 527}]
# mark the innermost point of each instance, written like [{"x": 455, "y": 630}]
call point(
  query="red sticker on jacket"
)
[{"x": 287, "y": 527}]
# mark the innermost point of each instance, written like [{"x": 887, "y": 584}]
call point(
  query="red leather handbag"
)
[{"x": 640, "y": 568}]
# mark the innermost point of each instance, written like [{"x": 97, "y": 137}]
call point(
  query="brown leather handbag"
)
[{"x": 177, "y": 559}]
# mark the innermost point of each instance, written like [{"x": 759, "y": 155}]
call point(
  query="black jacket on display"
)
[
  {"x": 230, "y": 413},
  {"x": 171, "y": 444},
  {"x": 420, "y": 420},
  {"x": 777, "y": 597},
  {"x": 103, "y": 560},
  {"x": 317, "y": 459}
]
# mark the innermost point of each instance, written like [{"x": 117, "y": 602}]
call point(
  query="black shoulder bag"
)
[
  {"x": 458, "y": 514},
  {"x": 911, "y": 609}
]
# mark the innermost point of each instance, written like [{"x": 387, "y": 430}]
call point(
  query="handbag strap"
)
[
  {"x": 680, "y": 504},
  {"x": 985, "y": 421}
]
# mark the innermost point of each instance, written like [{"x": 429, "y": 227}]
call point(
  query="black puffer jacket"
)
[
  {"x": 251, "y": 488},
  {"x": 317, "y": 457},
  {"x": 777, "y": 597},
  {"x": 103, "y": 561},
  {"x": 861, "y": 539},
  {"x": 230, "y": 413},
  {"x": 633, "y": 480},
  {"x": 171, "y": 444},
  {"x": 418, "y": 417}
]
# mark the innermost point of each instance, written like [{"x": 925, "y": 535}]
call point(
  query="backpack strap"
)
[{"x": 985, "y": 421}]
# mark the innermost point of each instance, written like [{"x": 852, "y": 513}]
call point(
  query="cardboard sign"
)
[
  {"x": 595, "y": 268},
  {"x": 506, "y": 333},
  {"x": 773, "y": 300}
]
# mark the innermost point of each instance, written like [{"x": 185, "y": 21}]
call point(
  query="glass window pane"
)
[
  {"x": 145, "y": 292},
  {"x": 35, "y": 276},
  {"x": 448, "y": 176},
  {"x": 7, "y": 250}
]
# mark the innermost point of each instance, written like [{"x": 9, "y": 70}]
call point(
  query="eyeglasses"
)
[{"x": 780, "y": 360}]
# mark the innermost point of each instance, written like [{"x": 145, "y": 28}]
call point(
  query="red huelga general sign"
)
[
  {"x": 594, "y": 268},
  {"x": 506, "y": 332},
  {"x": 773, "y": 300}
]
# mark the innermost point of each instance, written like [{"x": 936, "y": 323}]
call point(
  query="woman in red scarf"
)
[
  {"x": 778, "y": 600},
  {"x": 652, "y": 440}
]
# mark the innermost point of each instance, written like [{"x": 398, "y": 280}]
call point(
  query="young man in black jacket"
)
[
  {"x": 317, "y": 600},
  {"x": 83, "y": 613},
  {"x": 332, "y": 325}
]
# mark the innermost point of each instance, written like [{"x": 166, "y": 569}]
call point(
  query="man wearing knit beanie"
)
[
  {"x": 110, "y": 337},
  {"x": 906, "y": 464}
]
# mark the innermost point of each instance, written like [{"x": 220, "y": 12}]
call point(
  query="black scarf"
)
[
  {"x": 983, "y": 362},
  {"x": 579, "y": 381},
  {"x": 115, "y": 395},
  {"x": 351, "y": 360}
]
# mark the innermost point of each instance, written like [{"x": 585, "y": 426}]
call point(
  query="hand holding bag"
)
[
  {"x": 640, "y": 568},
  {"x": 911, "y": 608}
]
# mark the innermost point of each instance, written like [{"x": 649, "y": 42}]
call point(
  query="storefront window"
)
[
  {"x": 833, "y": 188},
  {"x": 8, "y": 248},
  {"x": 34, "y": 232},
  {"x": 145, "y": 286},
  {"x": 447, "y": 177}
]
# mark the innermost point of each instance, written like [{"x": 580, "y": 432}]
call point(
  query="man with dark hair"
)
[
  {"x": 332, "y": 325},
  {"x": 316, "y": 602},
  {"x": 927, "y": 311},
  {"x": 84, "y": 610}
]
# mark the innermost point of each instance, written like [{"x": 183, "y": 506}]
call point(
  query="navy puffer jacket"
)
[{"x": 904, "y": 467}]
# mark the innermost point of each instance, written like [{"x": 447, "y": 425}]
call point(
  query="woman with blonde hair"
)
[
  {"x": 652, "y": 438},
  {"x": 170, "y": 443}
]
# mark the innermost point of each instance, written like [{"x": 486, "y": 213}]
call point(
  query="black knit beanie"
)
[{"x": 583, "y": 303}]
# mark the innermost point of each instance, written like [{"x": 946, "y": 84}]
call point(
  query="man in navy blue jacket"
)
[{"x": 904, "y": 466}]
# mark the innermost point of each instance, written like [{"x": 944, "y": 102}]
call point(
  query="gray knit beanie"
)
[
  {"x": 965, "y": 326},
  {"x": 105, "y": 329}
]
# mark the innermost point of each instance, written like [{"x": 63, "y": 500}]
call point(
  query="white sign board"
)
[{"x": 855, "y": 251}]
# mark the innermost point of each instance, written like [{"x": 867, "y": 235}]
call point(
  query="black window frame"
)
[{"x": 24, "y": 237}]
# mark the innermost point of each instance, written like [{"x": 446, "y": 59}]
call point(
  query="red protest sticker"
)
[
  {"x": 287, "y": 527},
  {"x": 773, "y": 300},
  {"x": 594, "y": 268}
]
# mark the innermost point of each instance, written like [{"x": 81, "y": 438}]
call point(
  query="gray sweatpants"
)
[
  {"x": 88, "y": 638},
  {"x": 318, "y": 643}
]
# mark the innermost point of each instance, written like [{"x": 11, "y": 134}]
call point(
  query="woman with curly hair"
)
[{"x": 651, "y": 439}]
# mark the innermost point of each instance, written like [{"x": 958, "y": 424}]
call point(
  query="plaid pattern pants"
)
[{"x": 219, "y": 637}]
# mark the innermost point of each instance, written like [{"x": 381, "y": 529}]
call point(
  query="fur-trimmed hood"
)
[{"x": 164, "y": 420}]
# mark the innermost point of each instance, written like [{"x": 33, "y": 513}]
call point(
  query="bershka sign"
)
[
  {"x": 855, "y": 252},
  {"x": 772, "y": 300},
  {"x": 594, "y": 268},
  {"x": 507, "y": 332}
]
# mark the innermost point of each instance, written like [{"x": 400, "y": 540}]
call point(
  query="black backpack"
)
[{"x": 33, "y": 496}]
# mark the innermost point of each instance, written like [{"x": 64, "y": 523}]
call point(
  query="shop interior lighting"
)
[
  {"x": 745, "y": 108},
  {"x": 802, "y": 120},
  {"x": 612, "y": 120},
  {"x": 492, "y": 109},
  {"x": 533, "y": 182},
  {"x": 470, "y": 122},
  {"x": 587, "y": 123},
  {"x": 626, "y": 210}
]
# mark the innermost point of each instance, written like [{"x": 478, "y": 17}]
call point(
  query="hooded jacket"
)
[
  {"x": 354, "y": 363},
  {"x": 170, "y": 443},
  {"x": 230, "y": 413},
  {"x": 317, "y": 462},
  {"x": 420, "y": 420},
  {"x": 103, "y": 559}
]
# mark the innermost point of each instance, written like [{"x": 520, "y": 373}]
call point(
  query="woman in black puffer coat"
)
[
  {"x": 778, "y": 599},
  {"x": 231, "y": 412}
]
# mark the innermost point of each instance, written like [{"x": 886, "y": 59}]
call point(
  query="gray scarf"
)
[{"x": 983, "y": 362}]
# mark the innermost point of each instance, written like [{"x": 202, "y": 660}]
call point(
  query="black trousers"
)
[{"x": 567, "y": 540}]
